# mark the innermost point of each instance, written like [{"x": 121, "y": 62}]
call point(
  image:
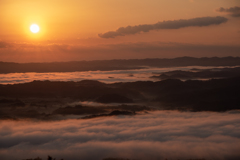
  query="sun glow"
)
[{"x": 34, "y": 28}]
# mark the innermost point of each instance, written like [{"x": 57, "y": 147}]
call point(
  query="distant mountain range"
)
[{"x": 122, "y": 64}]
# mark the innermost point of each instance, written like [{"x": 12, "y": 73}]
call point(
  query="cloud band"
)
[
  {"x": 176, "y": 24},
  {"x": 232, "y": 11}
]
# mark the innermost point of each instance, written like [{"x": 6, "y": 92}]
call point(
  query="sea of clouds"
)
[
  {"x": 147, "y": 136},
  {"x": 102, "y": 76}
]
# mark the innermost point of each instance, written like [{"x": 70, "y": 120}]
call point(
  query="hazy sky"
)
[{"x": 110, "y": 29}]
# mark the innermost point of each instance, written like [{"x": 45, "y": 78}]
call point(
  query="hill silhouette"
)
[{"x": 106, "y": 65}]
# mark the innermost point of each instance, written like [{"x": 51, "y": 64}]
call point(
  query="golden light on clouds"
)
[
  {"x": 79, "y": 23},
  {"x": 34, "y": 28}
]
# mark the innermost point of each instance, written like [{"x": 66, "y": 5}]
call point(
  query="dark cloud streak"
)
[
  {"x": 232, "y": 11},
  {"x": 176, "y": 24}
]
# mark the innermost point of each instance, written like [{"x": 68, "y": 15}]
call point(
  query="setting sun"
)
[{"x": 34, "y": 28}]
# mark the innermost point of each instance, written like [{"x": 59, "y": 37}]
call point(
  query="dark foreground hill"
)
[{"x": 194, "y": 95}]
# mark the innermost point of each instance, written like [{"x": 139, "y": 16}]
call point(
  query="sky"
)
[{"x": 76, "y": 30}]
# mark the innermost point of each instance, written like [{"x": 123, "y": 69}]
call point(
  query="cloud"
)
[
  {"x": 175, "y": 24},
  {"x": 61, "y": 52},
  {"x": 157, "y": 135},
  {"x": 232, "y": 11},
  {"x": 4, "y": 44}
]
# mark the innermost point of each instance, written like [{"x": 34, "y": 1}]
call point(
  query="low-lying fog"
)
[
  {"x": 147, "y": 136},
  {"x": 90, "y": 120},
  {"x": 102, "y": 76}
]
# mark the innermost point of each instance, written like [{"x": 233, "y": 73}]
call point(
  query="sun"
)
[{"x": 34, "y": 28}]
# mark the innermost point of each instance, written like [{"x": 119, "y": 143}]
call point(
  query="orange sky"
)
[{"x": 69, "y": 30}]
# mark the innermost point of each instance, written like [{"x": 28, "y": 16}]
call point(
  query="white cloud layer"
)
[
  {"x": 153, "y": 136},
  {"x": 102, "y": 76}
]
